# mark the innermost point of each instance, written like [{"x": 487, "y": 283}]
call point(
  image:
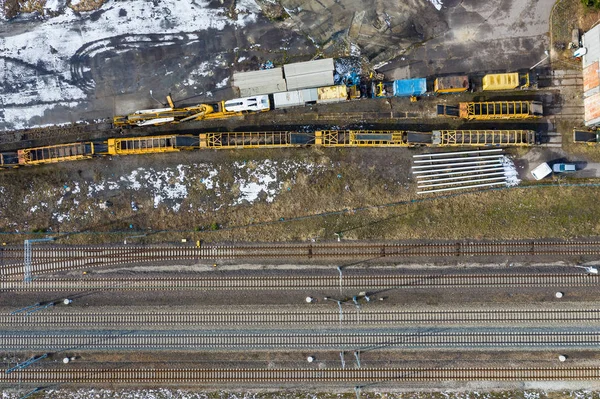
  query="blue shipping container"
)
[{"x": 410, "y": 87}]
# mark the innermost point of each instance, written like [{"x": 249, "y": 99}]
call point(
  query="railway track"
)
[
  {"x": 188, "y": 377},
  {"x": 362, "y": 341},
  {"x": 324, "y": 316},
  {"x": 305, "y": 283},
  {"x": 48, "y": 259}
]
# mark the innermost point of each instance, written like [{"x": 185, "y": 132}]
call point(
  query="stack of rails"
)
[
  {"x": 491, "y": 110},
  {"x": 452, "y": 171},
  {"x": 275, "y": 139}
]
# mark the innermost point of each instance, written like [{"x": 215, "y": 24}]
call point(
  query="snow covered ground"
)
[
  {"x": 437, "y": 4},
  {"x": 174, "y": 187},
  {"x": 36, "y": 65}
]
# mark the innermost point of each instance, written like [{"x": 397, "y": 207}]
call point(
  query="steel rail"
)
[
  {"x": 363, "y": 341},
  {"x": 305, "y": 283},
  {"x": 147, "y": 320},
  {"x": 261, "y": 376}
]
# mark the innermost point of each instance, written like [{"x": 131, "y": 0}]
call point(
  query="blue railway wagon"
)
[{"x": 410, "y": 87}]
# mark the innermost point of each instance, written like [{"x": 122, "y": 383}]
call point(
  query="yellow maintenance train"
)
[{"x": 274, "y": 139}]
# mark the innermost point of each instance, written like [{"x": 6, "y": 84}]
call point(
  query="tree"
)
[{"x": 591, "y": 3}]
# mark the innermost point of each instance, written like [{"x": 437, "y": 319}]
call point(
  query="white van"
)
[{"x": 541, "y": 171}]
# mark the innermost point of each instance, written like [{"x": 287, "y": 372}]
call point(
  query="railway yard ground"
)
[
  {"x": 253, "y": 196},
  {"x": 293, "y": 272}
]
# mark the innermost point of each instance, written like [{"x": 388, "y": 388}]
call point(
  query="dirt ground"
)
[{"x": 566, "y": 16}]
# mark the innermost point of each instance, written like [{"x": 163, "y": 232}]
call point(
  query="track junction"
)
[{"x": 50, "y": 259}]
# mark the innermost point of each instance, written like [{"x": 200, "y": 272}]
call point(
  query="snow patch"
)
[
  {"x": 44, "y": 52},
  {"x": 222, "y": 83},
  {"x": 510, "y": 171},
  {"x": 20, "y": 117},
  {"x": 437, "y": 4},
  {"x": 55, "y": 5},
  {"x": 209, "y": 180}
]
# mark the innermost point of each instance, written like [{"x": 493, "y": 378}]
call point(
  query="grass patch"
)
[{"x": 589, "y": 152}]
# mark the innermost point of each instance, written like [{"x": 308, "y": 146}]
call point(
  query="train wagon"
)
[
  {"x": 161, "y": 116},
  {"x": 248, "y": 104},
  {"x": 294, "y": 98},
  {"x": 151, "y": 144},
  {"x": 9, "y": 160},
  {"x": 586, "y": 137},
  {"x": 505, "y": 81},
  {"x": 55, "y": 153},
  {"x": 400, "y": 88},
  {"x": 491, "y": 110},
  {"x": 332, "y": 94},
  {"x": 464, "y": 138},
  {"x": 240, "y": 140},
  {"x": 371, "y": 138},
  {"x": 451, "y": 84}
]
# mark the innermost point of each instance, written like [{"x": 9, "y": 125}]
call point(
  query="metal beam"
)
[
  {"x": 497, "y": 156},
  {"x": 458, "y": 164},
  {"x": 439, "y": 190},
  {"x": 470, "y": 176},
  {"x": 462, "y": 172},
  {"x": 462, "y": 182},
  {"x": 443, "y": 154}
]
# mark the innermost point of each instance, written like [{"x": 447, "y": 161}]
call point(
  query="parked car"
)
[
  {"x": 541, "y": 171},
  {"x": 563, "y": 167}
]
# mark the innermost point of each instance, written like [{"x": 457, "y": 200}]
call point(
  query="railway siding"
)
[
  {"x": 304, "y": 282},
  {"x": 361, "y": 341},
  {"x": 54, "y": 259},
  {"x": 324, "y": 315},
  {"x": 282, "y": 376}
]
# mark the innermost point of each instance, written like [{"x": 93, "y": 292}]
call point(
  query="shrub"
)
[{"x": 591, "y": 3}]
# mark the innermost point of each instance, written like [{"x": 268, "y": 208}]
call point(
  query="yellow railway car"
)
[
  {"x": 56, "y": 153},
  {"x": 465, "y": 138},
  {"x": 371, "y": 138},
  {"x": 451, "y": 84},
  {"x": 501, "y": 110},
  {"x": 240, "y": 140},
  {"x": 505, "y": 81},
  {"x": 161, "y": 116},
  {"x": 492, "y": 110},
  {"x": 141, "y": 145},
  {"x": 332, "y": 94},
  {"x": 151, "y": 144}
]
